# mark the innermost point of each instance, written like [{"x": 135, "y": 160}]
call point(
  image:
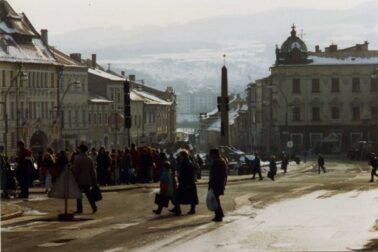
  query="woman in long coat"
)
[{"x": 187, "y": 189}]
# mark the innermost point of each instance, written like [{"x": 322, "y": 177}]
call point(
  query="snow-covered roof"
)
[
  {"x": 105, "y": 75},
  {"x": 34, "y": 52},
  {"x": 345, "y": 61},
  {"x": 147, "y": 98},
  {"x": 99, "y": 99},
  {"x": 232, "y": 115},
  {"x": 64, "y": 59}
]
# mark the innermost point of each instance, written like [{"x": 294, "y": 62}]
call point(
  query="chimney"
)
[
  {"x": 317, "y": 48},
  {"x": 333, "y": 48},
  {"x": 94, "y": 60},
  {"x": 76, "y": 56},
  {"x": 132, "y": 77},
  {"x": 123, "y": 73},
  {"x": 45, "y": 36}
]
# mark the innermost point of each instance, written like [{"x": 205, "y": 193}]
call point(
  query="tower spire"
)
[{"x": 293, "y": 32}]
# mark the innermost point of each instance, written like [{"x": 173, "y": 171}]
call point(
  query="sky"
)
[{"x": 60, "y": 16}]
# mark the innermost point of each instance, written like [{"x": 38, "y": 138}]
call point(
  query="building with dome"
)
[{"x": 323, "y": 101}]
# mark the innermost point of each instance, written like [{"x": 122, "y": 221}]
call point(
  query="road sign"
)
[
  {"x": 290, "y": 144},
  {"x": 116, "y": 120}
]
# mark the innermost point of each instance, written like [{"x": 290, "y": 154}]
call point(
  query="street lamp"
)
[
  {"x": 60, "y": 110},
  {"x": 23, "y": 77}
]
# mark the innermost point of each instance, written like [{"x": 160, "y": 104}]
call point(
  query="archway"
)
[{"x": 38, "y": 141}]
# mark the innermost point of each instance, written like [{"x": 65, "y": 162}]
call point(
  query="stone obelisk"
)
[{"x": 223, "y": 107}]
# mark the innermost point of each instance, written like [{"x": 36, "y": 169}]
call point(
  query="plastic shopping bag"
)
[{"x": 211, "y": 202}]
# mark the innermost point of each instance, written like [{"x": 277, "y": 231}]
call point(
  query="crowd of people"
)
[{"x": 177, "y": 173}]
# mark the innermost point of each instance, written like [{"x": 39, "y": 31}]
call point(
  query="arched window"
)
[{"x": 296, "y": 114}]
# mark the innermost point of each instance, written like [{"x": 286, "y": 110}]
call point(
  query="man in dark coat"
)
[
  {"x": 374, "y": 164},
  {"x": 217, "y": 180},
  {"x": 103, "y": 165},
  {"x": 24, "y": 169},
  {"x": 256, "y": 167},
  {"x": 272, "y": 168},
  {"x": 187, "y": 189},
  {"x": 321, "y": 164},
  {"x": 85, "y": 176},
  {"x": 284, "y": 163}
]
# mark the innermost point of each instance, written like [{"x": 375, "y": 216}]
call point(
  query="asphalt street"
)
[{"x": 125, "y": 220}]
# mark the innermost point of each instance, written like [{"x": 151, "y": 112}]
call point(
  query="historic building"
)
[
  {"x": 324, "y": 100},
  {"x": 210, "y": 126},
  {"x": 73, "y": 100},
  {"x": 29, "y": 77}
]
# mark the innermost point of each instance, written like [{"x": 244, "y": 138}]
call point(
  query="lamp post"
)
[
  {"x": 23, "y": 76},
  {"x": 60, "y": 110}
]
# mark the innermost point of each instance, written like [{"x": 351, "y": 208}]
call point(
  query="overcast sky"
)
[{"x": 60, "y": 16}]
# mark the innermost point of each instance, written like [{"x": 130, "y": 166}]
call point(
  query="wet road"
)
[{"x": 125, "y": 220}]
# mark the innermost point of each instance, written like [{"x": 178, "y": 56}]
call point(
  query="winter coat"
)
[
  {"x": 272, "y": 166},
  {"x": 320, "y": 161},
  {"x": 84, "y": 171},
  {"x": 218, "y": 176},
  {"x": 187, "y": 189},
  {"x": 103, "y": 161}
]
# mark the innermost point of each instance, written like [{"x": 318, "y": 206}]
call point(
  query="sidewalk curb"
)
[{"x": 156, "y": 185}]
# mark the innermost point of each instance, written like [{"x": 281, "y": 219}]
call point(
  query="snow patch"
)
[{"x": 309, "y": 223}]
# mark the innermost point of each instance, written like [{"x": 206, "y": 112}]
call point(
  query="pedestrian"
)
[
  {"x": 374, "y": 164},
  {"x": 103, "y": 165},
  {"x": 173, "y": 162},
  {"x": 167, "y": 188},
  {"x": 49, "y": 166},
  {"x": 61, "y": 161},
  {"x": 256, "y": 167},
  {"x": 187, "y": 189},
  {"x": 272, "y": 167},
  {"x": 284, "y": 163},
  {"x": 217, "y": 180},
  {"x": 24, "y": 169},
  {"x": 321, "y": 164},
  {"x": 3, "y": 174},
  {"x": 93, "y": 155},
  {"x": 304, "y": 156},
  {"x": 85, "y": 176},
  {"x": 125, "y": 168},
  {"x": 200, "y": 165},
  {"x": 146, "y": 165}
]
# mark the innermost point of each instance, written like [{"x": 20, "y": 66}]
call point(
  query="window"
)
[
  {"x": 77, "y": 118},
  {"x": 296, "y": 114},
  {"x": 83, "y": 115},
  {"x": 3, "y": 78},
  {"x": 316, "y": 114},
  {"x": 106, "y": 118},
  {"x": 374, "y": 112},
  {"x": 99, "y": 118},
  {"x": 69, "y": 119},
  {"x": 89, "y": 118},
  {"x": 94, "y": 118},
  {"x": 356, "y": 85},
  {"x": 335, "y": 83},
  {"x": 356, "y": 113},
  {"x": 335, "y": 113},
  {"x": 296, "y": 86},
  {"x": 374, "y": 84},
  {"x": 52, "y": 80},
  {"x": 315, "y": 86},
  {"x": 12, "y": 110}
]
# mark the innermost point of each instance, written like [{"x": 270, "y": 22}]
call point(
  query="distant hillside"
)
[{"x": 191, "y": 53}]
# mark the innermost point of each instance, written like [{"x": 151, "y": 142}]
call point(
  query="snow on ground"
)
[{"x": 314, "y": 222}]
